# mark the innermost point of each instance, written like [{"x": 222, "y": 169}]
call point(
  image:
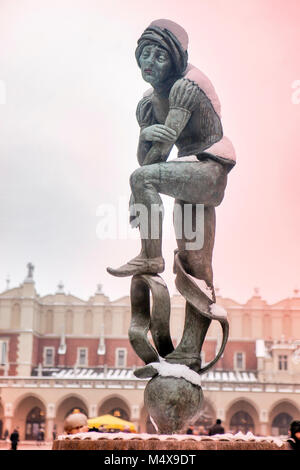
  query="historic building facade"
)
[{"x": 59, "y": 352}]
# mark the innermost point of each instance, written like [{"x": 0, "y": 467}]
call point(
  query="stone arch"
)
[
  {"x": 28, "y": 395},
  {"x": 15, "y": 319},
  {"x": 115, "y": 403},
  {"x": 288, "y": 410},
  {"x": 242, "y": 414},
  {"x": 65, "y": 406},
  {"x": 22, "y": 409}
]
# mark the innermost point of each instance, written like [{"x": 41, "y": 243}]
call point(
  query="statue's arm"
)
[
  {"x": 145, "y": 118},
  {"x": 143, "y": 148},
  {"x": 183, "y": 99}
]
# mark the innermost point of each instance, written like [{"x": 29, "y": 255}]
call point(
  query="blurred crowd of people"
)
[{"x": 217, "y": 428}]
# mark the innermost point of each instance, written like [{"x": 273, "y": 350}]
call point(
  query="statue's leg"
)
[
  {"x": 200, "y": 182},
  {"x": 198, "y": 263},
  {"x": 149, "y": 209}
]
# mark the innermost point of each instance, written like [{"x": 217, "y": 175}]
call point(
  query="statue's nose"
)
[{"x": 150, "y": 59}]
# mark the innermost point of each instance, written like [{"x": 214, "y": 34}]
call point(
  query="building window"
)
[
  {"x": 3, "y": 352},
  {"x": 282, "y": 362},
  {"x": 82, "y": 356},
  {"x": 48, "y": 357},
  {"x": 239, "y": 360},
  {"x": 121, "y": 356}
]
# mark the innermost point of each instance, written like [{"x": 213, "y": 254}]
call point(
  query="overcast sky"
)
[{"x": 68, "y": 137}]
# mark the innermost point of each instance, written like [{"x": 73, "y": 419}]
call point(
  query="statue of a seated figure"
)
[{"x": 180, "y": 109}]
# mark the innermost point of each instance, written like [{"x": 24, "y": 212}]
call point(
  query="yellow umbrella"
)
[{"x": 111, "y": 422}]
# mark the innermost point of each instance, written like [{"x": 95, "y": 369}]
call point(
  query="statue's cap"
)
[
  {"x": 178, "y": 31},
  {"x": 170, "y": 36}
]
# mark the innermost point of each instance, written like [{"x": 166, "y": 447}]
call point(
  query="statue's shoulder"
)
[
  {"x": 144, "y": 110},
  {"x": 195, "y": 75}
]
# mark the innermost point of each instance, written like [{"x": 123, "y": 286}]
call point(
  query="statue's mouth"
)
[{"x": 149, "y": 71}]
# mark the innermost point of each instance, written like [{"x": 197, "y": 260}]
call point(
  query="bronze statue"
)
[{"x": 180, "y": 109}]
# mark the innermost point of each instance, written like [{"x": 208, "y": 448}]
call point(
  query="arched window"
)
[
  {"x": 281, "y": 424},
  {"x": 88, "y": 322},
  {"x": 15, "y": 320},
  {"x": 35, "y": 421},
  {"x": 241, "y": 421}
]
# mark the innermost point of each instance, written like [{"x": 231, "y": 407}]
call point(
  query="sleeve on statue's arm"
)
[
  {"x": 185, "y": 94},
  {"x": 144, "y": 112}
]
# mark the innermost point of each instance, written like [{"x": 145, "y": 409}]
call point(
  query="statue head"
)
[{"x": 162, "y": 51}]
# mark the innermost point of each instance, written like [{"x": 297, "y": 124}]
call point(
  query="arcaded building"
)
[{"x": 59, "y": 352}]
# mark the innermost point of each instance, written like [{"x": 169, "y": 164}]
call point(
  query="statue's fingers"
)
[{"x": 168, "y": 135}]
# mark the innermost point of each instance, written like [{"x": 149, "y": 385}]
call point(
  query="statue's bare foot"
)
[{"x": 139, "y": 266}]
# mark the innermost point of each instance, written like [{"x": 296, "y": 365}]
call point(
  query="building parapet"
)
[{"x": 230, "y": 381}]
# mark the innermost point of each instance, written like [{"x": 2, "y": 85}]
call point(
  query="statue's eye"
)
[{"x": 145, "y": 52}]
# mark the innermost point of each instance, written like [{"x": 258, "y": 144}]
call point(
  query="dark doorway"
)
[
  {"x": 281, "y": 424},
  {"x": 34, "y": 422},
  {"x": 241, "y": 421}
]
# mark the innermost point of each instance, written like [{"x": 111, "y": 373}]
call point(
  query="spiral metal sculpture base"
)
[{"x": 173, "y": 401}]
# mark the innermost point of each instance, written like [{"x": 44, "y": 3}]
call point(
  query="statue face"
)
[{"x": 156, "y": 64}]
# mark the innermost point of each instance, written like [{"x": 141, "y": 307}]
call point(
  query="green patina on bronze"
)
[{"x": 177, "y": 112}]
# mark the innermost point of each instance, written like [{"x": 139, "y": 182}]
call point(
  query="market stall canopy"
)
[{"x": 111, "y": 422}]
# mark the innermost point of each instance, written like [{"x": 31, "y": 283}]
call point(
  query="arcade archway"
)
[{"x": 115, "y": 406}]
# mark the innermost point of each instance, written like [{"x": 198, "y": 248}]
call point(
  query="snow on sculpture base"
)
[{"x": 125, "y": 441}]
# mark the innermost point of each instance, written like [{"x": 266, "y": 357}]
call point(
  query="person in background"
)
[
  {"x": 54, "y": 433},
  {"x": 102, "y": 428},
  {"x": 190, "y": 430},
  {"x": 41, "y": 436},
  {"x": 294, "y": 432},
  {"x": 202, "y": 431},
  {"x": 216, "y": 428},
  {"x": 93, "y": 429},
  {"x": 76, "y": 422},
  {"x": 14, "y": 437}
]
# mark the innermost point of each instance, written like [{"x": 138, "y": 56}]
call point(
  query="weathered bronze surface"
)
[{"x": 180, "y": 109}]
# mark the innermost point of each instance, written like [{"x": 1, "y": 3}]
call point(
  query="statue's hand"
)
[{"x": 158, "y": 133}]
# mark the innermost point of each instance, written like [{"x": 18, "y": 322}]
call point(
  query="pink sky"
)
[{"x": 68, "y": 137}]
